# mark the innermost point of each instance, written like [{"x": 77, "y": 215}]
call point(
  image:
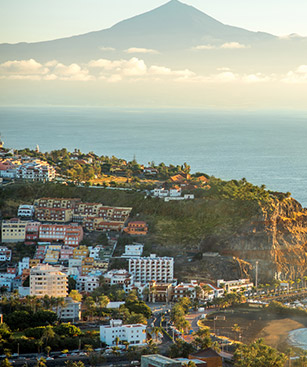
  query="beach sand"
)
[{"x": 276, "y": 332}]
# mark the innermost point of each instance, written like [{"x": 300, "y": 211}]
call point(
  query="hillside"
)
[{"x": 241, "y": 222}]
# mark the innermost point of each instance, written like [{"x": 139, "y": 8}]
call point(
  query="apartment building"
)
[
  {"x": 108, "y": 213},
  {"x": 87, "y": 284},
  {"x": 69, "y": 235},
  {"x": 55, "y": 209},
  {"x": 137, "y": 228},
  {"x": 71, "y": 311},
  {"x": 100, "y": 224},
  {"x": 134, "y": 334},
  {"x": 81, "y": 252},
  {"x": 13, "y": 230},
  {"x": 36, "y": 171},
  {"x": 146, "y": 269},
  {"x": 47, "y": 280},
  {"x": 235, "y": 285}
]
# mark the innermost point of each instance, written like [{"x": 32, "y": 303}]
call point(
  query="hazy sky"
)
[{"x": 36, "y": 20}]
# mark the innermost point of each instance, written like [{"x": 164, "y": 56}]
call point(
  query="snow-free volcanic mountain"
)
[{"x": 175, "y": 35}]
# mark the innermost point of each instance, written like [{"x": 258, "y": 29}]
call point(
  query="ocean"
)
[{"x": 267, "y": 148}]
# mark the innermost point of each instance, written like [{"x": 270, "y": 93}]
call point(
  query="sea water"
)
[
  {"x": 264, "y": 147},
  {"x": 298, "y": 338}
]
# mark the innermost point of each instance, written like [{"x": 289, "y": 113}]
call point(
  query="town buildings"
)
[
  {"x": 235, "y": 285},
  {"x": 134, "y": 334},
  {"x": 47, "y": 280},
  {"x": 70, "y": 311}
]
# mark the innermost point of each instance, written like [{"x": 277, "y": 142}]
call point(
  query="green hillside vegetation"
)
[{"x": 222, "y": 209}]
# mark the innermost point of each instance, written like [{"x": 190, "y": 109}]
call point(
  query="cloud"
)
[
  {"x": 51, "y": 70},
  {"x": 233, "y": 46},
  {"x": 23, "y": 68},
  {"x": 133, "y": 70},
  {"x": 297, "y": 76},
  {"x": 107, "y": 48},
  {"x": 225, "y": 46},
  {"x": 137, "y": 50}
]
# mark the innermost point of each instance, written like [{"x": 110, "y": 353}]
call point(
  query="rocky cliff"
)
[{"x": 276, "y": 237}]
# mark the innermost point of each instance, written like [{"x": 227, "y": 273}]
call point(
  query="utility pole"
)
[{"x": 256, "y": 282}]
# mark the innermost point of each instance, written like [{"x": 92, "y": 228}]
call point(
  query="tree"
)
[
  {"x": 136, "y": 318},
  {"x": 180, "y": 349},
  {"x": 48, "y": 334},
  {"x": 6, "y": 363},
  {"x": 202, "y": 339},
  {"x": 40, "y": 362},
  {"x": 258, "y": 354},
  {"x": 71, "y": 363},
  {"x": 75, "y": 295}
]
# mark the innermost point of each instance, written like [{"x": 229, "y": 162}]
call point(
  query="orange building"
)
[
  {"x": 208, "y": 355},
  {"x": 70, "y": 235},
  {"x": 137, "y": 228}
]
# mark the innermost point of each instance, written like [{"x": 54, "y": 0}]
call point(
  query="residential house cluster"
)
[
  {"x": 92, "y": 216},
  {"x": 26, "y": 168},
  {"x": 174, "y": 193}
]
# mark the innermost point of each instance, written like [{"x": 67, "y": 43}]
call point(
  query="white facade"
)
[
  {"x": 95, "y": 251},
  {"x": 235, "y": 285},
  {"x": 71, "y": 311},
  {"x": 25, "y": 211},
  {"x": 23, "y": 264},
  {"x": 36, "y": 171},
  {"x": 87, "y": 283},
  {"x": 134, "y": 334},
  {"x": 146, "y": 269},
  {"x": 8, "y": 173},
  {"x": 47, "y": 280},
  {"x": 134, "y": 250},
  {"x": 119, "y": 277}
]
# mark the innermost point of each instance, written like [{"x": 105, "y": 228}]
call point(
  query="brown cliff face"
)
[{"x": 276, "y": 237}]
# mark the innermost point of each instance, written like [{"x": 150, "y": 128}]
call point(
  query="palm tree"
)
[
  {"x": 156, "y": 330},
  {"x": 126, "y": 344},
  {"x": 305, "y": 281},
  {"x": 117, "y": 340}
]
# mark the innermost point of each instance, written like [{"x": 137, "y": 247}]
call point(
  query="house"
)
[
  {"x": 157, "y": 360},
  {"x": 160, "y": 292},
  {"x": 150, "y": 171},
  {"x": 134, "y": 334},
  {"x": 70, "y": 311},
  {"x": 13, "y": 230},
  {"x": 187, "y": 290},
  {"x": 208, "y": 355},
  {"x": 134, "y": 250},
  {"x": 25, "y": 211}
]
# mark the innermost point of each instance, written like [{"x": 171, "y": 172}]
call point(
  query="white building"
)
[
  {"x": 146, "y": 269},
  {"x": 134, "y": 250},
  {"x": 23, "y": 264},
  {"x": 25, "y": 211},
  {"x": 47, "y": 280},
  {"x": 134, "y": 334},
  {"x": 235, "y": 285},
  {"x": 95, "y": 252},
  {"x": 87, "y": 283},
  {"x": 71, "y": 311},
  {"x": 215, "y": 292},
  {"x": 36, "y": 171},
  {"x": 119, "y": 277}
]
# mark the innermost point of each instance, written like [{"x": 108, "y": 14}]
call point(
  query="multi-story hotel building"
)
[
  {"x": 134, "y": 334},
  {"x": 47, "y": 280},
  {"x": 13, "y": 230},
  {"x": 70, "y": 235},
  {"x": 36, "y": 171},
  {"x": 146, "y": 269}
]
